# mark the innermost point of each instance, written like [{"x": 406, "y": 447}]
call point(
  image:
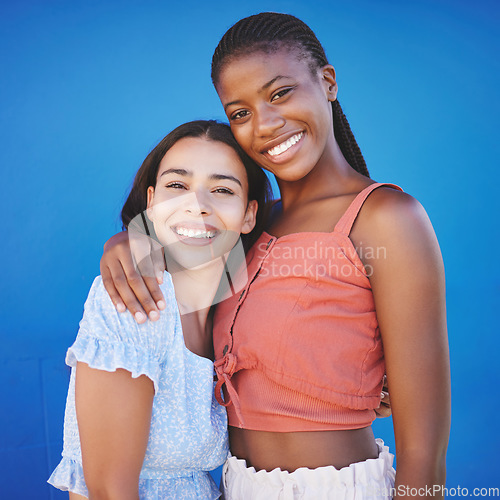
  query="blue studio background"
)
[{"x": 88, "y": 88}]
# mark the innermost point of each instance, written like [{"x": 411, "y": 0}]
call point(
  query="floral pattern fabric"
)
[{"x": 188, "y": 435}]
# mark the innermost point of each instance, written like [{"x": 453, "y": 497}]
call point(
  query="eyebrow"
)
[
  {"x": 178, "y": 171},
  {"x": 264, "y": 87},
  {"x": 186, "y": 173},
  {"x": 221, "y": 177}
]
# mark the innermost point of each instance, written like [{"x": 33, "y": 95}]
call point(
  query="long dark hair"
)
[
  {"x": 259, "y": 187},
  {"x": 270, "y": 31}
]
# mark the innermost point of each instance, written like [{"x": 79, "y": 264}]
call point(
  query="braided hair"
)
[{"x": 269, "y": 32}]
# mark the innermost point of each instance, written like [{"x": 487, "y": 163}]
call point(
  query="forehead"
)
[
  {"x": 203, "y": 157},
  {"x": 259, "y": 67}
]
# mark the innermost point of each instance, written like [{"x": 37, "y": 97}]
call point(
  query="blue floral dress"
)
[{"x": 188, "y": 435}]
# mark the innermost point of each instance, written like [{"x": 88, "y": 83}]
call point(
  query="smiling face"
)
[
  {"x": 199, "y": 206},
  {"x": 279, "y": 112}
]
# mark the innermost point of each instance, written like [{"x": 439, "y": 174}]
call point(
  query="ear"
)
[
  {"x": 329, "y": 81},
  {"x": 151, "y": 195},
  {"x": 250, "y": 217}
]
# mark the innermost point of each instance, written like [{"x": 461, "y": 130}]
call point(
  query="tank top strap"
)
[{"x": 344, "y": 225}]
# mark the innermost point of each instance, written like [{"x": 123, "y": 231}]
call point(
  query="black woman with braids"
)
[{"x": 345, "y": 285}]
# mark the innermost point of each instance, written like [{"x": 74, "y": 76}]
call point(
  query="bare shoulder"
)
[
  {"x": 390, "y": 213},
  {"x": 397, "y": 225},
  {"x": 386, "y": 203}
]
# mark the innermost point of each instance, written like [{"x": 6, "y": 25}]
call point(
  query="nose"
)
[
  {"x": 197, "y": 203},
  {"x": 268, "y": 120}
]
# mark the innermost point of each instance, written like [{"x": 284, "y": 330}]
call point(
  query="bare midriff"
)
[{"x": 292, "y": 450}]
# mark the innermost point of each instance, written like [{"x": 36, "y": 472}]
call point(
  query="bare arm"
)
[
  {"x": 133, "y": 286},
  {"x": 114, "y": 416},
  {"x": 409, "y": 290},
  {"x": 75, "y": 496}
]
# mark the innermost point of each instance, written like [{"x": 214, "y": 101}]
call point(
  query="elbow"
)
[
  {"x": 112, "y": 490},
  {"x": 423, "y": 467},
  {"x": 421, "y": 453}
]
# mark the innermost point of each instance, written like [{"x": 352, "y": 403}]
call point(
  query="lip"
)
[
  {"x": 196, "y": 238},
  {"x": 279, "y": 140},
  {"x": 286, "y": 155}
]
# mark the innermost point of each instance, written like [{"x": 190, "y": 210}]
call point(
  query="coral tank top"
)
[{"x": 299, "y": 348}]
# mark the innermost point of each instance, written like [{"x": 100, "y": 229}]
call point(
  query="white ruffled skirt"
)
[{"x": 372, "y": 479}]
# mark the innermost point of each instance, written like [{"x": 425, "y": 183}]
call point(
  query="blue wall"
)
[{"x": 87, "y": 88}]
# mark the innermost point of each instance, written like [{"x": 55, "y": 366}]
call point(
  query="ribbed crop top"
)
[{"x": 299, "y": 348}]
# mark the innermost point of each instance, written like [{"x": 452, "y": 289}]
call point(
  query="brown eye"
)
[
  {"x": 223, "y": 190},
  {"x": 239, "y": 115},
  {"x": 280, "y": 94},
  {"x": 175, "y": 185}
]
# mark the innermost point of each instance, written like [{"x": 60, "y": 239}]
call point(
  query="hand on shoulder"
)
[{"x": 134, "y": 286}]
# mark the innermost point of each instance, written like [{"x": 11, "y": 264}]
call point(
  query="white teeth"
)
[
  {"x": 194, "y": 233},
  {"x": 281, "y": 148}
]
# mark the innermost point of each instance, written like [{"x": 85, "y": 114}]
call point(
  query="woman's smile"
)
[
  {"x": 286, "y": 149},
  {"x": 280, "y": 111},
  {"x": 199, "y": 206},
  {"x": 195, "y": 234}
]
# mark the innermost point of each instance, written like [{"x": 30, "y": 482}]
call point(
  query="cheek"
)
[
  {"x": 164, "y": 207},
  {"x": 324, "y": 118},
  {"x": 234, "y": 216},
  {"x": 157, "y": 213},
  {"x": 243, "y": 136}
]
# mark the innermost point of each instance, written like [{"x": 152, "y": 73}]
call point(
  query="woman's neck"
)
[
  {"x": 331, "y": 176},
  {"x": 195, "y": 289}
]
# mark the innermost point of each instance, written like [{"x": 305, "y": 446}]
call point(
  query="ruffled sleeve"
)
[
  {"x": 108, "y": 340},
  {"x": 68, "y": 476}
]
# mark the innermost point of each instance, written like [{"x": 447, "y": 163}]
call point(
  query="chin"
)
[{"x": 292, "y": 176}]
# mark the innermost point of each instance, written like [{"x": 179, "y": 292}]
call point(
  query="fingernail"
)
[
  {"x": 140, "y": 317},
  {"x": 161, "y": 304},
  {"x": 154, "y": 315},
  {"x": 121, "y": 308},
  {"x": 159, "y": 279}
]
